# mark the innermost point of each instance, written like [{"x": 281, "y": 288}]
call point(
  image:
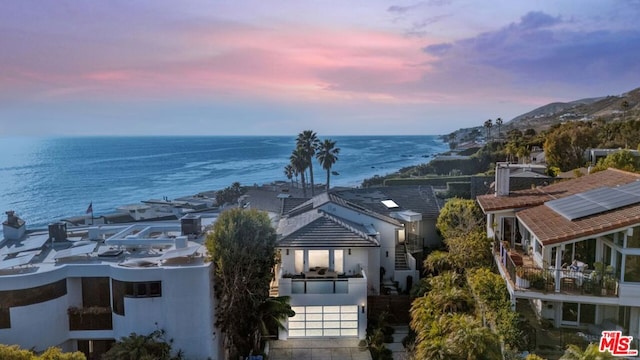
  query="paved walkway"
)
[
  {"x": 317, "y": 349},
  {"x": 399, "y": 352}
]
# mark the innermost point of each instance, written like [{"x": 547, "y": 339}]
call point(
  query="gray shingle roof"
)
[
  {"x": 319, "y": 229},
  {"x": 420, "y": 199}
]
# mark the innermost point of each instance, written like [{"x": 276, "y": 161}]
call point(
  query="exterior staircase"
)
[{"x": 401, "y": 259}]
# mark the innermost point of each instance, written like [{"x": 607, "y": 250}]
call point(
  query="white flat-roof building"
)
[{"x": 88, "y": 289}]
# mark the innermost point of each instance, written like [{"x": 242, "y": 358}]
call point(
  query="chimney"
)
[
  {"x": 502, "y": 179},
  {"x": 58, "y": 231},
  {"x": 13, "y": 228}
]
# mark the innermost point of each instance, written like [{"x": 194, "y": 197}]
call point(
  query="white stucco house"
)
[
  {"x": 336, "y": 251},
  {"x": 85, "y": 288},
  {"x": 571, "y": 248}
]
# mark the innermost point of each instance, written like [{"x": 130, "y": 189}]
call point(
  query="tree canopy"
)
[
  {"x": 13, "y": 352},
  {"x": 242, "y": 248},
  {"x": 459, "y": 217},
  {"x": 141, "y": 347},
  {"x": 565, "y": 144},
  {"x": 591, "y": 352},
  {"x": 623, "y": 160}
]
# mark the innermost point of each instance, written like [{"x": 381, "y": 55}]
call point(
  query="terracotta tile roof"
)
[
  {"x": 551, "y": 228},
  {"x": 537, "y": 196}
]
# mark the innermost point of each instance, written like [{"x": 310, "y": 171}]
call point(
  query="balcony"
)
[
  {"x": 524, "y": 275},
  {"x": 341, "y": 284},
  {"x": 90, "y": 318}
]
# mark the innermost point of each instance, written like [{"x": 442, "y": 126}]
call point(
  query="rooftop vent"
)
[
  {"x": 58, "y": 231},
  {"x": 191, "y": 224}
]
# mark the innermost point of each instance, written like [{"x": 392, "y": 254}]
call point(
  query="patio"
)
[{"x": 525, "y": 275}]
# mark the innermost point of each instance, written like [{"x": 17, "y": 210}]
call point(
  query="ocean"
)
[{"x": 48, "y": 179}]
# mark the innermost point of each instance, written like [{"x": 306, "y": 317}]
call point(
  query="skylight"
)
[{"x": 390, "y": 204}]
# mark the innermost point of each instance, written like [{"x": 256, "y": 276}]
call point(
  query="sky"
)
[{"x": 339, "y": 67}]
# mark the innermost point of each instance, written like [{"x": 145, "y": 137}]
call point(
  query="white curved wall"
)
[{"x": 184, "y": 311}]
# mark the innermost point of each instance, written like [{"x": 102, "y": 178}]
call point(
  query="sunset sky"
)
[{"x": 251, "y": 67}]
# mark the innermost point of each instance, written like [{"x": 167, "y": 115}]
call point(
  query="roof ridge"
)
[
  {"x": 342, "y": 223},
  {"x": 624, "y": 172}
]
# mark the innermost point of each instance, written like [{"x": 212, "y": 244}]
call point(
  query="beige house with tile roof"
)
[{"x": 572, "y": 248}]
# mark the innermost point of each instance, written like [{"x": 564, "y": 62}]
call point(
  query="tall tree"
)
[
  {"x": 499, "y": 124},
  {"x": 308, "y": 142},
  {"x": 488, "y": 124},
  {"x": 565, "y": 144},
  {"x": 459, "y": 218},
  {"x": 288, "y": 172},
  {"x": 242, "y": 249},
  {"x": 327, "y": 156},
  {"x": 299, "y": 164},
  {"x": 625, "y": 106}
]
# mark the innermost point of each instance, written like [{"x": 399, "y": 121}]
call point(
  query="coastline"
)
[{"x": 51, "y": 179}]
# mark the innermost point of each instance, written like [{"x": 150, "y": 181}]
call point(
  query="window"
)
[
  {"x": 122, "y": 289},
  {"x": 633, "y": 241},
  {"x": 30, "y": 296},
  {"x": 338, "y": 261},
  {"x": 95, "y": 292},
  {"x": 299, "y": 261},
  {"x": 318, "y": 258},
  {"x": 632, "y": 268}
]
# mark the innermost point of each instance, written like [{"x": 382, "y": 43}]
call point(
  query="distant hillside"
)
[{"x": 606, "y": 108}]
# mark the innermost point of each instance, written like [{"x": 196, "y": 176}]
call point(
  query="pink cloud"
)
[{"x": 231, "y": 59}]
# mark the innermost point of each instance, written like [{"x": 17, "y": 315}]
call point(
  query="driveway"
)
[{"x": 317, "y": 349}]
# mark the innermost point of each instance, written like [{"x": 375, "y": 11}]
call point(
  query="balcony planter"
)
[{"x": 90, "y": 318}]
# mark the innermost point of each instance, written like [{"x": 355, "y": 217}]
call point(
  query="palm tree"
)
[
  {"x": 625, "y": 106},
  {"x": 272, "y": 312},
  {"x": 592, "y": 352},
  {"x": 472, "y": 340},
  {"x": 299, "y": 164},
  {"x": 510, "y": 149},
  {"x": 499, "y": 123},
  {"x": 140, "y": 347},
  {"x": 327, "y": 156},
  {"x": 288, "y": 172},
  {"x": 308, "y": 142},
  {"x": 488, "y": 124}
]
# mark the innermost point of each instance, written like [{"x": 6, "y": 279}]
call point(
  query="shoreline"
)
[{"x": 124, "y": 171}]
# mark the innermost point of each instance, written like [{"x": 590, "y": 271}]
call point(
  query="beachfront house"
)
[
  {"x": 335, "y": 252},
  {"x": 84, "y": 288},
  {"x": 571, "y": 248}
]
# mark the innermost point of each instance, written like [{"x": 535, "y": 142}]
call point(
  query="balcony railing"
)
[
  {"x": 414, "y": 243},
  {"x": 550, "y": 280},
  {"x": 320, "y": 286},
  {"x": 341, "y": 284},
  {"x": 90, "y": 318}
]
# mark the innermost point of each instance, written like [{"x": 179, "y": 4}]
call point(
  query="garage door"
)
[{"x": 321, "y": 321}]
